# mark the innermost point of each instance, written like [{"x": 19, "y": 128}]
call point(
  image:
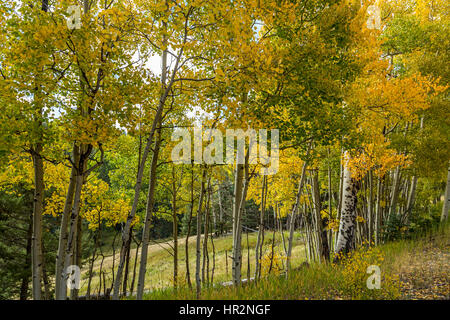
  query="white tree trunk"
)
[
  {"x": 412, "y": 191},
  {"x": 148, "y": 218},
  {"x": 242, "y": 177},
  {"x": 292, "y": 218},
  {"x": 446, "y": 204},
  {"x": 347, "y": 223},
  {"x": 370, "y": 206},
  {"x": 70, "y": 248},
  {"x": 322, "y": 242},
  {"x": 378, "y": 211},
  {"x": 236, "y": 253},
  {"x": 260, "y": 228},
  {"x": 36, "y": 240},
  {"x": 411, "y": 198},
  {"x": 199, "y": 234},
  {"x": 63, "y": 235},
  {"x": 394, "y": 193},
  {"x": 126, "y": 230}
]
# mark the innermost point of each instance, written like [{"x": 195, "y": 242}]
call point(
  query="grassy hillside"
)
[
  {"x": 411, "y": 269},
  {"x": 160, "y": 261}
]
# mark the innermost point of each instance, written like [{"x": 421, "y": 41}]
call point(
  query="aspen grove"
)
[{"x": 188, "y": 144}]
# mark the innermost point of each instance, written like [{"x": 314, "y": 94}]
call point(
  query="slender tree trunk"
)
[
  {"x": 84, "y": 152},
  {"x": 60, "y": 286},
  {"x": 240, "y": 197},
  {"x": 138, "y": 244},
  {"x": 260, "y": 228},
  {"x": 214, "y": 260},
  {"x": 238, "y": 191},
  {"x": 38, "y": 201},
  {"x": 156, "y": 121},
  {"x": 174, "y": 229},
  {"x": 446, "y": 204},
  {"x": 206, "y": 231},
  {"x": 91, "y": 264},
  {"x": 347, "y": 224},
  {"x": 341, "y": 192},
  {"x": 261, "y": 245},
  {"x": 324, "y": 251},
  {"x": 26, "y": 278},
  {"x": 199, "y": 233},
  {"x": 78, "y": 254},
  {"x": 220, "y": 211},
  {"x": 38, "y": 208},
  {"x": 378, "y": 211},
  {"x": 148, "y": 218},
  {"x": 127, "y": 265},
  {"x": 248, "y": 259},
  {"x": 370, "y": 207},
  {"x": 71, "y": 240},
  {"x": 412, "y": 190},
  {"x": 186, "y": 244},
  {"x": 330, "y": 207},
  {"x": 275, "y": 214},
  {"x": 292, "y": 220},
  {"x": 411, "y": 199},
  {"x": 394, "y": 193},
  {"x": 45, "y": 276},
  {"x": 226, "y": 263}
]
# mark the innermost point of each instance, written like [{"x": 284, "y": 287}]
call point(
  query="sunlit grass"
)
[
  {"x": 327, "y": 281},
  {"x": 160, "y": 261}
]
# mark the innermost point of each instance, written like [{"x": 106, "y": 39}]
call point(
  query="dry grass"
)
[
  {"x": 411, "y": 269},
  {"x": 160, "y": 261}
]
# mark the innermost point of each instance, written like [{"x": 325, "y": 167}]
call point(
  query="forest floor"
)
[
  {"x": 159, "y": 273},
  {"x": 425, "y": 274},
  {"x": 412, "y": 269}
]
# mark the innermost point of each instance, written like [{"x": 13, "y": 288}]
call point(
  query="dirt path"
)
[
  {"x": 152, "y": 248},
  {"x": 427, "y": 274}
]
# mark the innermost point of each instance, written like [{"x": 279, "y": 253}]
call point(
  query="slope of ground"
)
[
  {"x": 411, "y": 269},
  {"x": 160, "y": 261}
]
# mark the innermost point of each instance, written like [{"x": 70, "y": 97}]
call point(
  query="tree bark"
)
[
  {"x": 446, "y": 204},
  {"x": 38, "y": 208},
  {"x": 324, "y": 251},
  {"x": 26, "y": 278},
  {"x": 206, "y": 231},
  {"x": 174, "y": 229},
  {"x": 147, "y": 223},
  {"x": 240, "y": 194},
  {"x": 347, "y": 224},
  {"x": 78, "y": 253},
  {"x": 60, "y": 287},
  {"x": 370, "y": 207},
  {"x": 71, "y": 240},
  {"x": 238, "y": 191},
  {"x": 341, "y": 186},
  {"x": 394, "y": 193},
  {"x": 165, "y": 92},
  {"x": 378, "y": 211},
  {"x": 127, "y": 265},
  {"x": 199, "y": 233},
  {"x": 260, "y": 228},
  {"x": 186, "y": 244},
  {"x": 292, "y": 220},
  {"x": 80, "y": 169},
  {"x": 412, "y": 190}
]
